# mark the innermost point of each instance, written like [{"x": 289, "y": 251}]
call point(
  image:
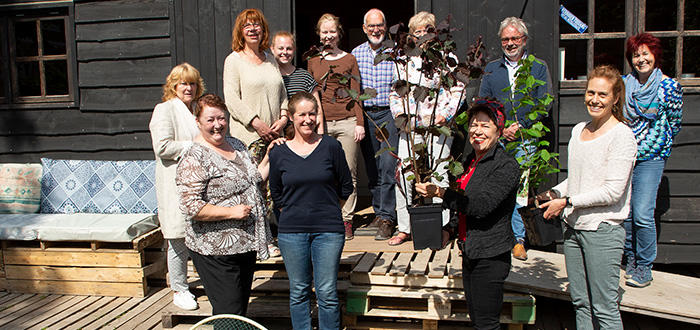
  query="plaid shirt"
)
[{"x": 377, "y": 76}]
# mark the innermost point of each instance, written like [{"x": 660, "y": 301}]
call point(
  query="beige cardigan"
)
[
  {"x": 252, "y": 91},
  {"x": 171, "y": 134}
]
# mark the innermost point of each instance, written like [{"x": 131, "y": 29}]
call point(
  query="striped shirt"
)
[
  {"x": 378, "y": 76},
  {"x": 299, "y": 80}
]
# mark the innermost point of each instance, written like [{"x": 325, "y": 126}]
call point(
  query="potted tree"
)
[
  {"x": 536, "y": 161},
  {"x": 436, "y": 51}
]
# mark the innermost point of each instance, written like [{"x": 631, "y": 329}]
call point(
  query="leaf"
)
[
  {"x": 410, "y": 177},
  {"x": 532, "y": 115},
  {"x": 401, "y": 122},
  {"x": 381, "y": 151},
  {"x": 544, "y": 154},
  {"x": 371, "y": 92},
  {"x": 401, "y": 87},
  {"x": 456, "y": 168},
  {"x": 418, "y": 146},
  {"x": 381, "y": 57},
  {"x": 420, "y": 93},
  {"x": 530, "y": 81},
  {"x": 462, "y": 119},
  {"x": 437, "y": 176},
  {"x": 394, "y": 29},
  {"x": 543, "y": 143},
  {"x": 380, "y": 133},
  {"x": 350, "y": 105},
  {"x": 388, "y": 43},
  {"x": 342, "y": 93},
  {"x": 444, "y": 130}
]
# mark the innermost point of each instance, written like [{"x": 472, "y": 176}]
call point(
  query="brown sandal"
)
[{"x": 399, "y": 239}]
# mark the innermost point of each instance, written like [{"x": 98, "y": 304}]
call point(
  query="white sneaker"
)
[{"x": 184, "y": 300}]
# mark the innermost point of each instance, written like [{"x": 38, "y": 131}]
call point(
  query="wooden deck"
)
[{"x": 670, "y": 297}]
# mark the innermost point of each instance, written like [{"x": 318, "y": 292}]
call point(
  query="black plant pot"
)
[
  {"x": 540, "y": 231},
  {"x": 426, "y": 226}
]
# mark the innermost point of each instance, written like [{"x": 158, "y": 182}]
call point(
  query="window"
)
[
  {"x": 40, "y": 66},
  {"x": 675, "y": 22}
]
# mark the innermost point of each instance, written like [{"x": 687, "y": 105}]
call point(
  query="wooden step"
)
[{"x": 430, "y": 304}]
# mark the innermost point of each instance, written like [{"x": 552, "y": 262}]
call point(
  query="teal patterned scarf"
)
[{"x": 642, "y": 100}]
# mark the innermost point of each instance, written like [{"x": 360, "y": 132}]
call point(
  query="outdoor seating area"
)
[{"x": 88, "y": 230}]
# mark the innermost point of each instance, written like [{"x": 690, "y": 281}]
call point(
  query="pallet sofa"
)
[{"x": 79, "y": 227}]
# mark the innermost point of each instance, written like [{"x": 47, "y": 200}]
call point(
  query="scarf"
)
[{"x": 642, "y": 100}]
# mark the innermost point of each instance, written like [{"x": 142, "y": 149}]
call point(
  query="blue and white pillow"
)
[{"x": 92, "y": 186}]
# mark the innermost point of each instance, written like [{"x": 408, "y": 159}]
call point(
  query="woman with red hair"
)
[{"x": 653, "y": 108}]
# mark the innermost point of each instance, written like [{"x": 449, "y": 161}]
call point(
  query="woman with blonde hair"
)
[
  {"x": 344, "y": 121},
  {"x": 172, "y": 129},
  {"x": 594, "y": 200}
]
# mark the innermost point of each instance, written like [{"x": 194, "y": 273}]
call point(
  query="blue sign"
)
[{"x": 570, "y": 18}]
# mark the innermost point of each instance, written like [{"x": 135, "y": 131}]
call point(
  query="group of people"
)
[{"x": 283, "y": 144}]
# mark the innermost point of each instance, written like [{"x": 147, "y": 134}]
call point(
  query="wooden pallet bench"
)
[
  {"x": 430, "y": 304},
  {"x": 83, "y": 268}
]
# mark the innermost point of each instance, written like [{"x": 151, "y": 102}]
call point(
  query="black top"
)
[
  {"x": 308, "y": 189},
  {"x": 488, "y": 203}
]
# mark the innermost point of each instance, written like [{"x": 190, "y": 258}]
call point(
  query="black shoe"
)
[
  {"x": 385, "y": 230},
  {"x": 376, "y": 222}
]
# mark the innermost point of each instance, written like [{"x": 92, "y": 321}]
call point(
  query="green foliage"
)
[{"x": 537, "y": 159}]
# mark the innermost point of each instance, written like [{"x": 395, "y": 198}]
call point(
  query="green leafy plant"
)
[{"x": 536, "y": 161}]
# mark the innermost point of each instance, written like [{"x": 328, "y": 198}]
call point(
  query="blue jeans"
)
[
  {"x": 640, "y": 226},
  {"x": 381, "y": 170},
  {"x": 307, "y": 257},
  {"x": 593, "y": 265},
  {"x": 516, "y": 221}
]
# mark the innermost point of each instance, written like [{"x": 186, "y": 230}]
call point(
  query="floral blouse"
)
[
  {"x": 205, "y": 177},
  {"x": 448, "y": 100}
]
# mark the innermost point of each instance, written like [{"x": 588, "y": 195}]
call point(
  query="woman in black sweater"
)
[
  {"x": 309, "y": 182},
  {"x": 484, "y": 203}
]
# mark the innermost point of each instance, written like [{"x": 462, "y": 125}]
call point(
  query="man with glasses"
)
[
  {"x": 499, "y": 74},
  {"x": 381, "y": 169}
]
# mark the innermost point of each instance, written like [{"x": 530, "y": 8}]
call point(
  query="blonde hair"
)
[
  {"x": 423, "y": 18},
  {"x": 255, "y": 16},
  {"x": 182, "y": 72},
  {"x": 332, "y": 18},
  {"x": 618, "y": 86},
  {"x": 284, "y": 34}
]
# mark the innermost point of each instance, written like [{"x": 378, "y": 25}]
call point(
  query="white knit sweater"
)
[{"x": 598, "y": 182}]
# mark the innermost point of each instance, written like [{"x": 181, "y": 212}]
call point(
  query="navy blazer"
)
[{"x": 496, "y": 79}]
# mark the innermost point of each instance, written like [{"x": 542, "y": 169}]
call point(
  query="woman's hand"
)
[
  {"x": 263, "y": 130},
  {"x": 440, "y": 120},
  {"x": 279, "y": 125},
  {"x": 553, "y": 207},
  {"x": 240, "y": 212},
  {"x": 359, "y": 133},
  {"x": 275, "y": 142},
  {"x": 429, "y": 190}
]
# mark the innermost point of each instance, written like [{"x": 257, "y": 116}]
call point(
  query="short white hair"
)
[
  {"x": 515, "y": 22},
  {"x": 381, "y": 13}
]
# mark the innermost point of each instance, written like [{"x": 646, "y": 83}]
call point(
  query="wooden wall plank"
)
[
  {"x": 35, "y": 157},
  {"x": 678, "y": 209},
  {"x": 123, "y": 49},
  {"x": 120, "y": 99},
  {"x": 679, "y": 233},
  {"x": 677, "y": 254},
  {"x": 207, "y": 45},
  {"x": 122, "y": 30},
  {"x": 72, "y": 121},
  {"x": 120, "y": 10},
  {"x": 77, "y": 143},
  {"x": 190, "y": 36},
  {"x": 223, "y": 29},
  {"x": 146, "y": 72}
]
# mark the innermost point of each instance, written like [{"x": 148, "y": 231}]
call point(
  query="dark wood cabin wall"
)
[
  {"x": 123, "y": 55},
  {"x": 678, "y": 201},
  {"x": 202, "y": 32}
]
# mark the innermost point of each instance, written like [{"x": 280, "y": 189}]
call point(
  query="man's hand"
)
[
  {"x": 263, "y": 130},
  {"x": 553, "y": 207},
  {"x": 510, "y": 131},
  {"x": 279, "y": 125}
]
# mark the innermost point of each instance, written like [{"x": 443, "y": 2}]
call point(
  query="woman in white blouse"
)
[
  {"x": 172, "y": 129},
  {"x": 594, "y": 200}
]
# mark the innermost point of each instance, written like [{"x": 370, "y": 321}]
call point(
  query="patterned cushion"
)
[
  {"x": 90, "y": 186},
  {"x": 20, "y": 188}
]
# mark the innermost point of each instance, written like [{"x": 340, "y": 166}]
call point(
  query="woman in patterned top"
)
[
  {"x": 653, "y": 107},
  {"x": 225, "y": 229},
  {"x": 295, "y": 79}
]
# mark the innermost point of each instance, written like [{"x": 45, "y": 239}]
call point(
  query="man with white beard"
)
[{"x": 380, "y": 170}]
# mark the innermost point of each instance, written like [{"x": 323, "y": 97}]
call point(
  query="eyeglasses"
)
[
  {"x": 374, "y": 26},
  {"x": 250, "y": 26},
  {"x": 516, "y": 40}
]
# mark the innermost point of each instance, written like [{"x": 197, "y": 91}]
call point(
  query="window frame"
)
[
  {"x": 38, "y": 12},
  {"x": 635, "y": 22}
]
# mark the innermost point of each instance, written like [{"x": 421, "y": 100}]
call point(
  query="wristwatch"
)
[{"x": 568, "y": 201}]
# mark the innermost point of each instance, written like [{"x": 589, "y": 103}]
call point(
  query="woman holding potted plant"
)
[
  {"x": 421, "y": 113},
  {"x": 484, "y": 202},
  {"x": 594, "y": 200}
]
